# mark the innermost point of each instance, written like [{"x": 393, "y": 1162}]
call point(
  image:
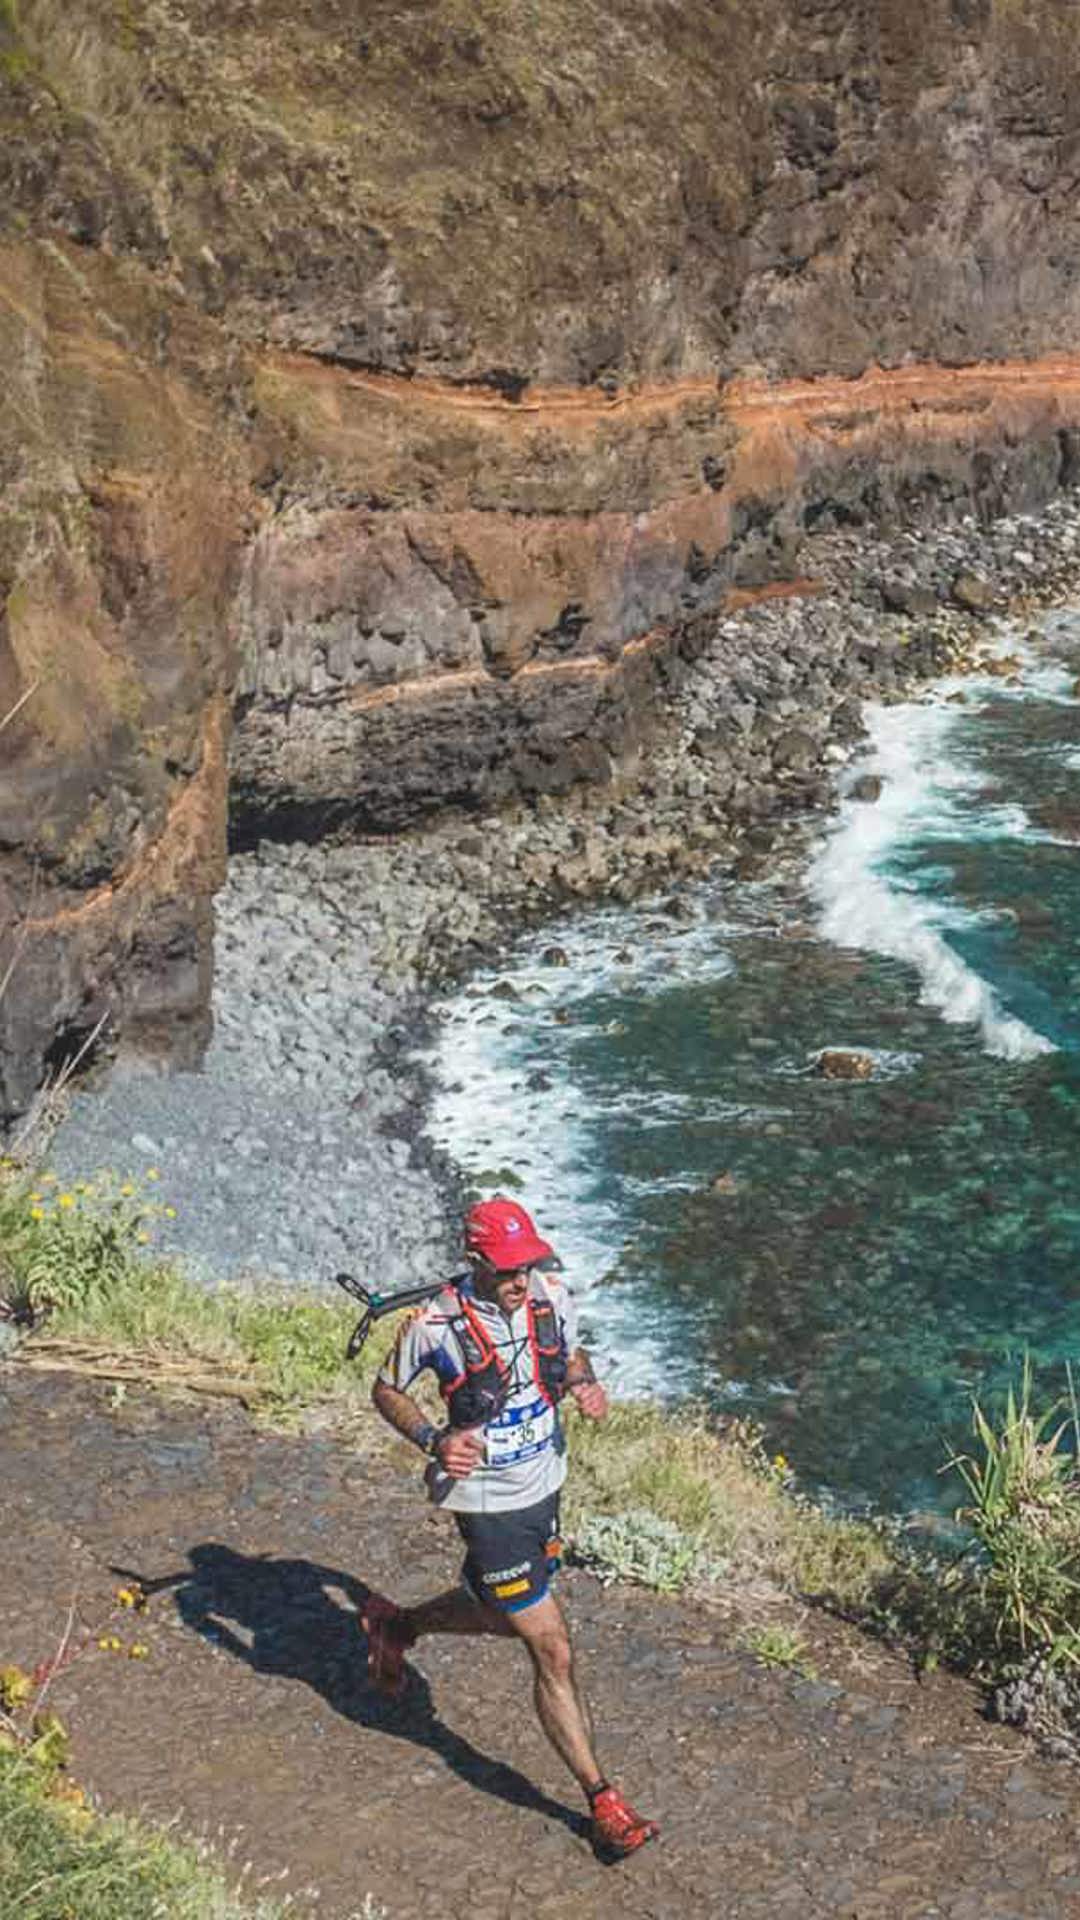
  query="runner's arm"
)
[
  {"x": 583, "y": 1385},
  {"x": 400, "y": 1411},
  {"x": 579, "y": 1369},
  {"x": 458, "y": 1450}
]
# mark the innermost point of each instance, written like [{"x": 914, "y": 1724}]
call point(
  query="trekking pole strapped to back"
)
[{"x": 375, "y": 1305}]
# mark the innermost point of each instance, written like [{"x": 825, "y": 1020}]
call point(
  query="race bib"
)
[{"x": 520, "y": 1433}]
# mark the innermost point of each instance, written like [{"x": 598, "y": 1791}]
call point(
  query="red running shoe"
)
[
  {"x": 616, "y": 1829},
  {"x": 388, "y": 1641}
]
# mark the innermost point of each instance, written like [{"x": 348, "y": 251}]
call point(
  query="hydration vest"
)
[{"x": 480, "y": 1391}]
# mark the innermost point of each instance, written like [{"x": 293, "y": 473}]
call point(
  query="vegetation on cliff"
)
[
  {"x": 507, "y": 190},
  {"x": 77, "y": 1261}
]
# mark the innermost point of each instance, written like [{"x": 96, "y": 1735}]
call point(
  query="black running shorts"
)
[{"x": 511, "y": 1558}]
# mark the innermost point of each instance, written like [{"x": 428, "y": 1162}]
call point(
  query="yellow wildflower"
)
[
  {"x": 153, "y": 1173},
  {"x": 780, "y": 1463},
  {"x": 16, "y": 1687},
  {"x": 65, "y": 1200},
  {"x": 37, "y": 1213},
  {"x": 125, "y": 1596},
  {"x": 143, "y": 1239},
  {"x": 170, "y": 1213},
  {"x": 138, "y": 1651},
  {"x": 127, "y": 1189}
]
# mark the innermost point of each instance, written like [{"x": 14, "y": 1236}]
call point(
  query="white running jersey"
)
[{"x": 524, "y": 1449}]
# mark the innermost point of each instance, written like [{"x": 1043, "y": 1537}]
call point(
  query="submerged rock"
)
[{"x": 838, "y": 1064}]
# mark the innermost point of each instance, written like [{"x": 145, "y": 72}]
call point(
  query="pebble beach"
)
[{"x": 299, "y": 1146}]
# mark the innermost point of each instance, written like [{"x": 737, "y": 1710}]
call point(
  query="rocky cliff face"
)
[{"x": 403, "y": 379}]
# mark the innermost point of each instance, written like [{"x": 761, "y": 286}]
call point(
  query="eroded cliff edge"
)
[{"x": 404, "y": 382}]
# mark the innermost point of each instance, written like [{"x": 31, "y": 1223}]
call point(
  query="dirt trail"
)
[{"x": 859, "y": 1793}]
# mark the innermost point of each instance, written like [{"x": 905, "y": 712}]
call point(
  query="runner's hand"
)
[
  {"x": 591, "y": 1399},
  {"x": 460, "y": 1450}
]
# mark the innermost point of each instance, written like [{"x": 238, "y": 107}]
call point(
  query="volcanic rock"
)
[
  {"x": 837, "y": 1064},
  {"x": 372, "y": 446},
  {"x": 868, "y": 786},
  {"x": 972, "y": 593}
]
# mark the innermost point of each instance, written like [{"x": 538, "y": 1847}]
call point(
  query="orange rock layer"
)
[{"x": 396, "y": 594}]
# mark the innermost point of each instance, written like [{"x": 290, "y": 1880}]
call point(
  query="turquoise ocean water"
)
[{"x": 847, "y": 1261}]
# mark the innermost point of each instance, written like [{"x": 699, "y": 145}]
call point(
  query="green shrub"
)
[
  {"x": 65, "y": 1247},
  {"x": 644, "y": 1549},
  {"x": 1023, "y": 1511},
  {"x": 76, "y": 1263},
  {"x": 780, "y": 1649}
]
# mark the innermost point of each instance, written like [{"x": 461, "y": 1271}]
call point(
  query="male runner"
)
[{"x": 502, "y": 1346}]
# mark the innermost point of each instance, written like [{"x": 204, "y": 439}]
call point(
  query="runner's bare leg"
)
[{"x": 560, "y": 1704}]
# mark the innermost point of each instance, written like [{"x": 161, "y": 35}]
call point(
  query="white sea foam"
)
[
  {"x": 925, "y": 797},
  {"x": 487, "y": 1117},
  {"x": 489, "y": 1114}
]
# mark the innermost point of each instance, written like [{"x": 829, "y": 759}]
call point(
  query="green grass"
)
[
  {"x": 79, "y": 1262},
  {"x": 719, "y": 1489},
  {"x": 58, "y": 1861},
  {"x": 292, "y": 1347},
  {"x": 14, "y": 60}
]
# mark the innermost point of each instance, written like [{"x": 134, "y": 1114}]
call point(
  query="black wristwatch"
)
[{"x": 427, "y": 1438}]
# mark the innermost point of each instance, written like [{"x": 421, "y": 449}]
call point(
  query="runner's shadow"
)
[{"x": 281, "y": 1617}]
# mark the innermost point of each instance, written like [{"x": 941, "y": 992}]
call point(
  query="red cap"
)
[{"x": 504, "y": 1234}]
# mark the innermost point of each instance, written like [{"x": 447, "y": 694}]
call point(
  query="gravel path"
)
[{"x": 857, "y": 1793}]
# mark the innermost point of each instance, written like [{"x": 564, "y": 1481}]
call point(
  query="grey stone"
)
[
  {"x": 868, "y": 786},
  {"x": 794, "y": 749},
  {"x": 972, "y": 592},
  {"x": 906, "y": 596}
]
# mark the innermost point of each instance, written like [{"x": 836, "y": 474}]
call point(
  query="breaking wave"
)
[{"x": 926, "y": 797}]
